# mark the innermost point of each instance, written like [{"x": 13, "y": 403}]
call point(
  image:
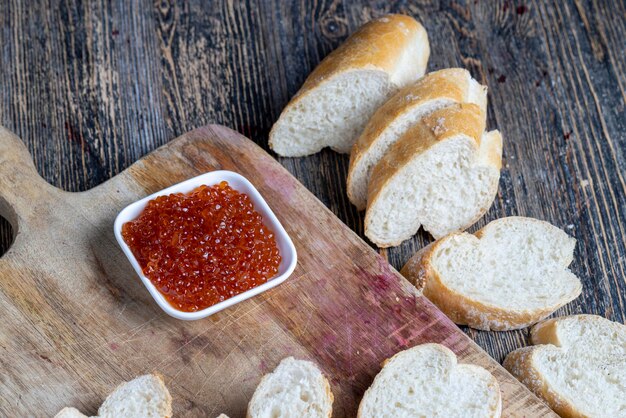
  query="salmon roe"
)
[{"x": 203, "y": 247}]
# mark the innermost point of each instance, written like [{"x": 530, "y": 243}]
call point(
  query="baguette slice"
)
[
  {"x": 296, "y": 388},
  {"x": 340, "y": 95},
  {"x": 434, "y": 91},
  {"x": 442, "y": 173},
  {"x": 144, "y": 396},
  {"x": 70, "y": 412},
  {"x": 509, "y": 275},
  {"x": 578, "y": 366},
  {"x": 426, "y": 381}
]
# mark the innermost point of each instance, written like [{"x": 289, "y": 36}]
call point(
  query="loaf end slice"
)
[
  {"x": 426, "y": 381},
  {"x": 340, "y": 95},
  {"x": 577, "y": 365},
  {"x": 509, "y": 275},
  {"x": 432, "y": 92},
  {"x": 296, "y": 388},
  {"x": 144, "y": 396}
]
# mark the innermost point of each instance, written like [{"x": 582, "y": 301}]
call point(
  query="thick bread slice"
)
[
  {"x": 296, "y": 388},
  {"x": 442, "y": 173},
  {"x": 69, "y": 412},
  {"x": 509, "y": 275},
  {"x": 340, "y": 95},
  {"x": 578, "y": 366},
  {"x": 426, "y": 381},
  {"x": 434, "y": 91},
  {"x": 143, "y": 397}
]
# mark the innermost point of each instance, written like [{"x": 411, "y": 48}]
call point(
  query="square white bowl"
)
[{"x": 242, "y": 185}]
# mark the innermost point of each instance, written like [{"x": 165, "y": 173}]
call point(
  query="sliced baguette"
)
[
  {"x": 144, "y": 396},
  {"x": 340, "y": 95},
  {"x": 578, "y": 366},
  {"x": 69, "y": 412},
  {"x": 442, "y": 173},
  {"x": 296, "y": 388},
  {"x": 434, "y": 91},
  {"x": 426, "y": 381},
  {"x": 509, "y": 275}
]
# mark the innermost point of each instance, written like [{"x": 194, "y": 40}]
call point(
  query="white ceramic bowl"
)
[{"x": 241, "y": 184}]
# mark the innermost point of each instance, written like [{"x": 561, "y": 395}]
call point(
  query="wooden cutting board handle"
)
[{"x": 21, "y": 187}]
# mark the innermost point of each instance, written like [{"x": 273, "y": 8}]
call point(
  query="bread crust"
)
[
  {"x": 451, "y": 83},
  {"x": 520, "y": 364},
  {"x": 380, "y": 44},
  {"x": 546, "y": 332},
  {"x": 377, "y": 45},
  {"x": 463, "y": 118},
  {"x": 460, "y": 308},
  {"x": 460, "y": 119}
]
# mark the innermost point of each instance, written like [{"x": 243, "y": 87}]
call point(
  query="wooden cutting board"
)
[{"x": 76, "y": 320}]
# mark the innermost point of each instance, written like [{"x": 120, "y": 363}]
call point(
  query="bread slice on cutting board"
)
[
  {"x": 442, "y": 174},
  {"x": 426, "y": 381},
  {"x": 577, "y": 365},
  {"x": 434, "y": 91},
  {"x": 296, "y": 388},
  {"x": 70, "y": 412},
  {"x": 509, "y": 275},
  {"x": 144, "y": 396},
  {"x": 339, "y": 96}
]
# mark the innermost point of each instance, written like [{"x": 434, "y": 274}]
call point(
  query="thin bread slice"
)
[
  {"x": 340, "y": 95},
  {"x": 144, "y": 396},
  {"x": 577, "y": 365},
  {"x": 509, "y": 275},
  {"x": 69, "y": 412},
  {"x": 426, "y": 381},
  {"x": 442, "y": 173},
  {"x": 434, "y": 91},
  {"x": 296, "y": 388}
]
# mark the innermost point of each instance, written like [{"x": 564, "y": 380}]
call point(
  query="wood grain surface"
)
[
  {"x": 77, "y": 320},
  {"x": 91, "y": 86}
]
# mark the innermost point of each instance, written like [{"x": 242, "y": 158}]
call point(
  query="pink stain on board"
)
[{"x": 276, "y": 179}]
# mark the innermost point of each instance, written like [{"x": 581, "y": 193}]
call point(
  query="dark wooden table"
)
[{"x": 92, "y": 86}]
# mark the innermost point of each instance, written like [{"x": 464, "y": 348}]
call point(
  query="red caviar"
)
[{"x": 203, "y": 247}]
